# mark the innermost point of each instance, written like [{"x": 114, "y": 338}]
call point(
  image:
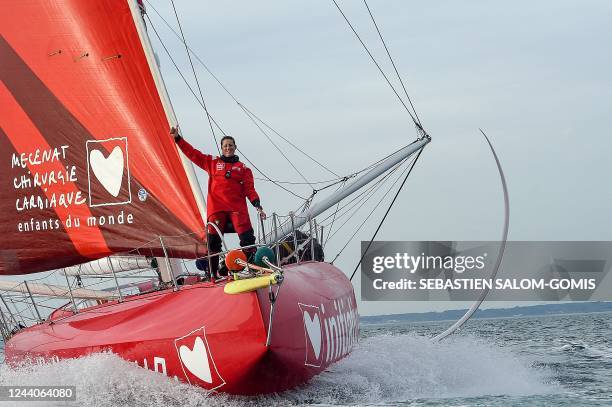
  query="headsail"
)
[{"x": 87, "y": 166}]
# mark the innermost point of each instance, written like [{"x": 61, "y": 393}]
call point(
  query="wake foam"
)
[
  {"x": 397, "y": 368},
  {"x": 105, "y": 379},
  {"x": 388, "y": 368}
]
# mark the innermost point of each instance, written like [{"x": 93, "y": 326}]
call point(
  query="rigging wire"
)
[
  {"x": 254, "y": 166},
  {"x": 399, "y": 77},
  {"x": 355, "y": 208},
  {"x": 331, "y": 225},
  {"x": 280, "y": 151},
  {"x": 361, "y": 194},
  {"x": 302, "y": 207},
  {"x": 367, "y": 217},
  {"x": 211, "y": 117},
  {"x": 338, "y": 180},
  {"x": 269, "y": 179},
  {"x": 254, "y": 118},
  {"x": 350, "y": 205},
  {"x": 333, "y": 181},
  {"x": 174, "y": 62},
  {"x": 300, "y": 183},
  {"x": 365, "y": 194},
  {"x": 370, "y": 168},
  {"x": 359, "y": 205},
  {"x": 194, "y": 54},
  {"x": 240, "y": 151},
  {"x": 357, "y": 201},
  {"x": 379, "y": 68},
  {"x": 231, "y": 95},
  {"x": 354, "y": 201},
  {"x": 249, "y": 112},
  {"x": 196, "y": 77},
  {"x": 386, "y": 213}
]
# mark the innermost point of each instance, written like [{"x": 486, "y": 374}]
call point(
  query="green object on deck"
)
[{"x": 262, "y": 252}]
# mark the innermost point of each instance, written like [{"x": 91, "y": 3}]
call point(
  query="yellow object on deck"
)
[{"x": 249, "y": 284}]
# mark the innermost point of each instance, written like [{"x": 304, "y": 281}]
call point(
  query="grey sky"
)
[{"x": 536, "y": 76}]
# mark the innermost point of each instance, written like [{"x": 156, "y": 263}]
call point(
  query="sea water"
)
[{"x": 531, "y": 361}]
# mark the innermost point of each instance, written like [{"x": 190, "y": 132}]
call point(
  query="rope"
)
[{"x": 386, "y": 213}]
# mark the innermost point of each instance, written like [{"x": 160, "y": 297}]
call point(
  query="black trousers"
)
[{"x": 214, "y": 244}]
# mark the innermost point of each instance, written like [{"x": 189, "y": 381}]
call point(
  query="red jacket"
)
[{"x": 225, "y": 194}]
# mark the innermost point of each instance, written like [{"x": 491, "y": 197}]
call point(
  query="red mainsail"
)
[{"x": 87, "y": 166}]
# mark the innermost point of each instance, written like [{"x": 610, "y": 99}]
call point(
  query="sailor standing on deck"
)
[{"x": 229, "y": 183}]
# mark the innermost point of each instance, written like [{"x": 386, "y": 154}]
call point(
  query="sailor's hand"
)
[
  {"x": 261, "y": 212},
  {"x": 174, "y": 132}
]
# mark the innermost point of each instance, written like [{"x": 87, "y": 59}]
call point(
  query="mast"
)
[
  {"x": 359, "y": 183},
  {"x": 166, "y": 102}
]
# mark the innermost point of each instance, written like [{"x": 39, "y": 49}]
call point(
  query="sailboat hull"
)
[{"x": 207, "y": 338}]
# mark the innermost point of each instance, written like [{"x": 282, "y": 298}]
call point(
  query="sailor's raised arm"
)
[{"x": 196, "y": 156}]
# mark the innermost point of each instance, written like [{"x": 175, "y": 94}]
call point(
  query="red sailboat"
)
[{"x": 89, "y": 171}]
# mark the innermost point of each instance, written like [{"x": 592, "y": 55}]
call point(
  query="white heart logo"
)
[
  {"x": 313, "y": 328},
  {"x": 196, "y": 360},
  {"x": 109, "y": 170}
]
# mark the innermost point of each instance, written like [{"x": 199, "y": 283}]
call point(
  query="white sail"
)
[
  {"x": 108, "y": 265},
  {"x": 57, "y": 291}
]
